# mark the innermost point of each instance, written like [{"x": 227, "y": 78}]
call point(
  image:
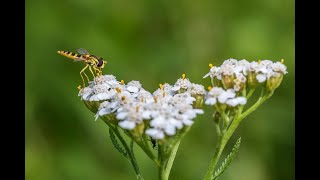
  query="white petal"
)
[
  {"x": 211, "y": 101},
  {"x": 104, "y": 111},
  {"x": 146, "y": 114},
  {"x": 158, "y": 122},
  {"x": 206, "y": 75},
  {"x": 261, "y": 78},
  {"x": 122, "y": 115},
  {"x": 176, "y": 123},
  {"x": 190, "y": 99},
  {"x": 125, "y": 93},
  {"x": 155, "y": 133},
  {"x": 170, "y": 130},
  {"x": 199, "y": 111},
  {"x": 236, "y": 101},
  {"x": 187, "y": 122},
  {"x": 127, "y": 125},
  {"x": 132, "y": 89},
  {"x": 86, "y": 96},
  {"x": 113, "y": 104},
  {"x": 242, "y": 100},
  {"x": 226, "y": 95},
  {"x": 94, "y": 98},
  {"x": 175, "y": 88},
  {"x": 103, "y": 96},
  {"x": 232, "y": 102}
]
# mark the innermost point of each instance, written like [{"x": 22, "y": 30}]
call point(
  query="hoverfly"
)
[{"x": 91, "y": 61}]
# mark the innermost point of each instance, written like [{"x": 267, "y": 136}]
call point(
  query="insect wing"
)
[{"x": 82, "y": 51}]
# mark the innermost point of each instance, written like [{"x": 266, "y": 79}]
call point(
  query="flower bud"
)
[
  {"x": 252, "y": 79},
  {"x": 93, "y": 106},
  {"x": 274, "y": 82},
  {"x": 227, "y": 81},
  {"x": 199, "y": 101},
  {"x": 138, "y": 131},
  {"x": 110, "y": 118}
]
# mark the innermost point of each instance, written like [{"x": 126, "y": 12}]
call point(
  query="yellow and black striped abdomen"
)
[{"x": 70, "y": 55}]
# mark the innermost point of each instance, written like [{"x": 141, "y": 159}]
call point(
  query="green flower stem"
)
[
  {"x": 167, "y": 154},
  {"x": 161, "y": 159},
  {"x": 225, "y": 137},
  {"x": 166, "y": 161},
  {"x": 251, "y": 91},
  {"x": 168, "y": 167},
  {"x": 145, "y": 147},
  {"x": 215, "y": 158},
  {"x": 218, "y": 129},
  {"x": 132, "y": 158},
  {"x": 256, "y": 105},
  {"x": 226, "y": 120}
]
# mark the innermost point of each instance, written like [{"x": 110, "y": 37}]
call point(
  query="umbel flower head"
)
[
  {"x": 234, "y": 74},
  {"x": 159, "y": 114}
]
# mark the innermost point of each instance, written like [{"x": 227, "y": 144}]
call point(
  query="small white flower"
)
[
  {"x": 170, "y": 130},
  {"x": 182, "y": 98},
  {"x": 261, "y": 78},
  {"x": 101, "y": 88},
  {"x": 242, "y": 78},
  {"x": 122, "y": 115},
  {"x": 214, "y": 72},
  {"x": 144, "y": 96},
  {"x": 211, "y": 101},
  {"x": 279, "y": 67},
  {"x": 101, "y": 96},
  {"x": 155, "y": 133},
  {"x": 245, "y": 66},
  {"x": 197, "y": 89},
  {"x": 227, "y": 69},
  {"x": 258, "y": 67},
  {"x": 223, "y": 97},
  {"x": 178, "y": 124},
  {"x": 212, "y": 95},
  {"x": 181, "y": 83},
  {"x": 187, "y": 122},
  {"x": 236, "y": 101},
  {"x": 130, "y": 114},
  {"x": 266, "y": 63},
  {"x": 85, "y": 93},
  {"x": 105, "y": 79},
  {"x": 127, "y": 125},
  {"x": 106, "y": 108},
  {"x": 134, "y": 86}
]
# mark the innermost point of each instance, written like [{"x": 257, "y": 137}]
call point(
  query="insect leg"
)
[
  {"x": 84, "y": 73},
  {"x": 98, "y": 71},
  {"x": 91, "y": 72},
  {"x": 87, "y": 76}
]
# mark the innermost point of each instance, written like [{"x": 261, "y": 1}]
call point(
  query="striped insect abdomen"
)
[{"x": 70, "y": 55}]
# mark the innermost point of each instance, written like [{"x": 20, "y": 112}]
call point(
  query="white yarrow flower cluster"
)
[{"x": 164, "y": 112}]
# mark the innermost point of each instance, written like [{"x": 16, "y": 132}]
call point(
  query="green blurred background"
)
[{"x": 153, "y": 41}]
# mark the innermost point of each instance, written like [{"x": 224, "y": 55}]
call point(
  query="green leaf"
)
[
  {"x": 228, "y": 160},
  {"x": 116, "y": 144},
  {"x": 131, "y": 146}
]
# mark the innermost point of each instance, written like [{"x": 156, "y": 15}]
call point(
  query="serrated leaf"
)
[
  {"x": 116, "y": 144},
  {"x": 228, "y": 160}
]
